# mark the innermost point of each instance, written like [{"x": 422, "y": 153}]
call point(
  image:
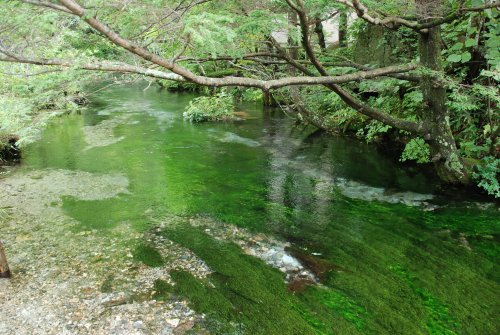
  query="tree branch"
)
[
  {"x": 455, "y": 15},
  {"x": 388, "y": 22},
  {"x": 48, "y": 5},
  {"x": 393, "y": 22},
  {"x": 349, "y": 99},
  {"x": 225, "y": 81},
  {"x": 102, "y": 66}
]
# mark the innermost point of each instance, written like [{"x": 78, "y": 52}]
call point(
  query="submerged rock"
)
[
  {"x": 353, "y": 189},
  {"x": 273, "y": 252},
  {"x": 234, "y": 138},
  {"x": 102, "y": 134},
  {"x": 164, "y": 120},
  {"x": 58, "y": 274}
]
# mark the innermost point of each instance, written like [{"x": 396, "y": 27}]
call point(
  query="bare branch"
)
[
  {"x": 457, "y": 14},
  {"x": 96, "y": 66},
  {"x": 388, "y": 22}
]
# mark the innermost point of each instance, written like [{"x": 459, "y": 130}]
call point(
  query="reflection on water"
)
[{"x": 346, "y": 209}]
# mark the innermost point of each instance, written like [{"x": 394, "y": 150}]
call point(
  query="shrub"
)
[
  {"x": 416, "y": 149},
  {"x": 487, "y": 175},
  {"x": 212, "y": 108}
]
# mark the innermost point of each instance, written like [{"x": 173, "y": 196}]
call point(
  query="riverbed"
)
[{"x": 125, "y": 219}]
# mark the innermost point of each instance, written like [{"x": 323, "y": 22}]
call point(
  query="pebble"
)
[
  {"x": 173, "y": 322},
  {"x": 138, "y": 325}
]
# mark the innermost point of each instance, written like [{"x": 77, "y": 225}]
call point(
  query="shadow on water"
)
[{"x": 395, "y": 260}]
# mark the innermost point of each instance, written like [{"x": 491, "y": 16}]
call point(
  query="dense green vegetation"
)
[
  {"x": 416, "y": 79},
  {"x": 248, "y": 44},
  {"x": 213, "y": 108}
]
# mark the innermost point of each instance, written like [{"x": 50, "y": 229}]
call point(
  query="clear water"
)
[{"x": 389, "y": 268}]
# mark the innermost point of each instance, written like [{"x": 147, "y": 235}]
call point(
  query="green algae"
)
[
  {"x": 439, "y": 320},
  {"x": 148, "y": 255},
  {"x": 243, "y": 292},
  {"x": 181, "y": 169},
  {"x": 345, "y": 306},
  {"x": 163, "y": 290}
]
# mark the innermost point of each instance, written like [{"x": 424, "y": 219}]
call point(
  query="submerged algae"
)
[
  {"x": 243, "y": 292},
  {"x": 286, "y": 187}
]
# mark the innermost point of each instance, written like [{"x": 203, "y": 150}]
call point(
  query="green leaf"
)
[
  {"x": 457, "y": 46},
  {"x": 466, "y": 56},
  {"x": 470, "y": 42},
  {"x": 486, "y": 129},
  {"x": 454, "y": 58},
  {"x": 471, "y": 30}
]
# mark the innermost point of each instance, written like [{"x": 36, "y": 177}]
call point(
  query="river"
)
[{"x": 295, "y": 232}]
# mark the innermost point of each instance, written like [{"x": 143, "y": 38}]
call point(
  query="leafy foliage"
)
[
  {"x": 470, "y": 56},
  {"x": 210, "y": 33},
  {"x": 416, "y": 149},
  {"x": 212, "y": 108},
  {"x": 487, "y": 175}
]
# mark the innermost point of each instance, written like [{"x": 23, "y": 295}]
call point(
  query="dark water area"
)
[{"x": 393, "y": 254}]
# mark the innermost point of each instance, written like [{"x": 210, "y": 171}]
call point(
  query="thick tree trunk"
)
[
  {"x": 445, "y": 155},
  {"x": 4, "y": 266}
]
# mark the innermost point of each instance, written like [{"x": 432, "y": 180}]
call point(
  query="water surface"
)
[{"x": 392, "y": 256}]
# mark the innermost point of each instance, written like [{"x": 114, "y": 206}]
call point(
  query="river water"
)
[{"x": 379, "y": 250}]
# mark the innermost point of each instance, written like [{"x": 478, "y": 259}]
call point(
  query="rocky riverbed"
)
[
  {"x": 60, "y": 282},
  {"x": 73, "y": 281}
]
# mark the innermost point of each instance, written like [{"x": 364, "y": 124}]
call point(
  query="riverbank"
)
[
  {"x": 88, "y": 282},
  {"x": 78, "y": 283}
]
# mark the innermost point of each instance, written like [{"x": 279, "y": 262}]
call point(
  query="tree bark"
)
[
  {"x": 444, "y": 152},
  {"x": 268, "y": 99},
  {"x": 293, "y": 46},
  {"x": 4, "y": 266},
  {"x": 318, "y": 29}
]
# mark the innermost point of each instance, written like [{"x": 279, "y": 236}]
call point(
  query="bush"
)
[
  {"x": 213, "y": 108},
  {"x": 487, "y": 175},
  {"x": 416, "y": 149}
]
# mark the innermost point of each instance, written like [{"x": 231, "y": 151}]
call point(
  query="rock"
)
[
  {"x": 138, "y": 324},
  {"x": 114, "y": 300},
  {"x": 290, "y": 261},
  {"x": 167, "y": 331},
  {"x": 184, "y": 327},
  {"x": 173, "y": 322},
  {"x": 234, "y": 138}
]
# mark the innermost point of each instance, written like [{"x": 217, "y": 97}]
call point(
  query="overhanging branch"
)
[
  {"x": 349, "y": 99},
  {"x": 394, "y": 22},
  {"x": 225, "y": 81}
]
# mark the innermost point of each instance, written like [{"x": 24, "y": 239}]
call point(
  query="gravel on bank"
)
[{"x": 59, "y": 273}]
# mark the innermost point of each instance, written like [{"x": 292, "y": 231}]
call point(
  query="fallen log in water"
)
[{"x": 4, "y": 266}]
